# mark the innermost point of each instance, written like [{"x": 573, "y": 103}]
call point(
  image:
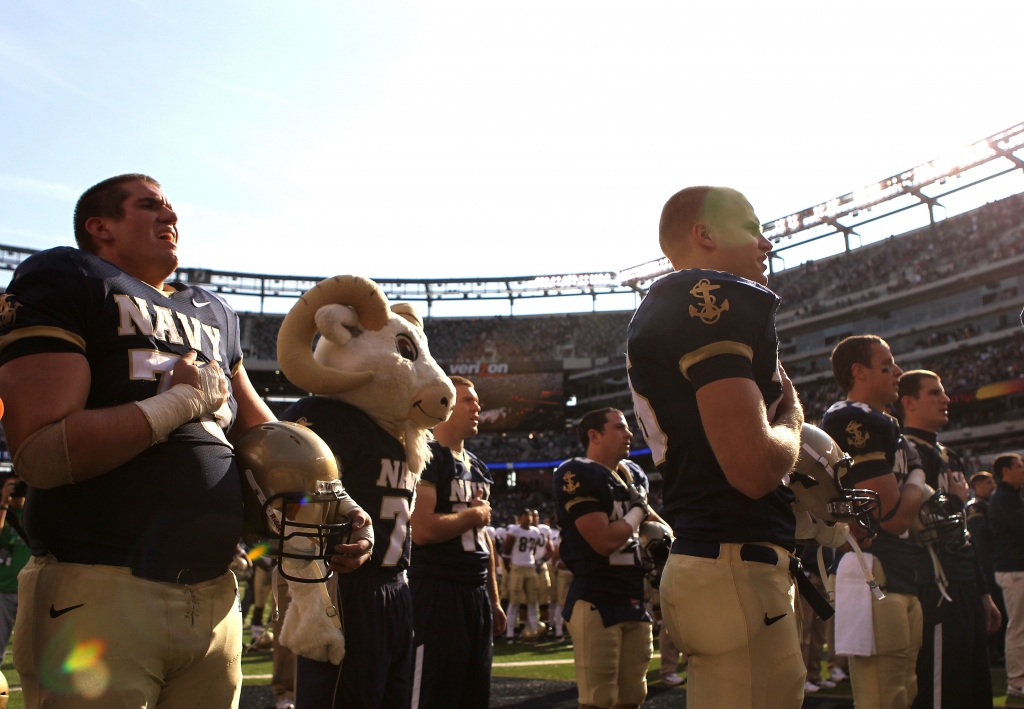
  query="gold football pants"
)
[
  {"x": 543, "y": 585},
  {"x": 98, "y": 637},
  {"x": 611, "y": 663},
  {"x": 523, "y": 583},
  {"x": 888, "y": 679},
  {"x": 735, "y": 621},
  {"x": 564, "y": 581}
]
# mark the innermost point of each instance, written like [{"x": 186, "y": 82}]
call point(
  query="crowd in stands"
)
[
  {"x": 488, "y": 339},
  {"x": 956, "y": 334},
  {"x": 986, "y": 235},
  {"x": 977, "y": 366}
]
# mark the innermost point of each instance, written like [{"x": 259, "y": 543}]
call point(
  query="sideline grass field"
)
[{"x": 257, "y": 667}]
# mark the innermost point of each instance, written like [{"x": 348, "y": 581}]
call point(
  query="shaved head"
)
[
  {"x": 714, "y": 228},
  {"x": 690, "y": 206}
]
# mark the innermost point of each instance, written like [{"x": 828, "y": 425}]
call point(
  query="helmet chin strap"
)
[
  {"x": 823, "y": 573},
  {"x": 868, "y": 576},
  {"x": 940, "y": 575}
]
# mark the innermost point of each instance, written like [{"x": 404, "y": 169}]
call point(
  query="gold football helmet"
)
[
  {"x": 291, "y": 477},
  {"x": 5, "y": 691},
  {"x": 816, "y": 481}
]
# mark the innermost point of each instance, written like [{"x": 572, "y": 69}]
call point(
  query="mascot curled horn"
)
[{"x": 356, "y": 447}]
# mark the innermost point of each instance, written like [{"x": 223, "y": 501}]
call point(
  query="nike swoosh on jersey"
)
[
  {"x": 198, "y": 304},
  {"x": 776, "y": 619},
  {"x": 54, "y": 613}
]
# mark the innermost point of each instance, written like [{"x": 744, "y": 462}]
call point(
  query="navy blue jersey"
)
[
  {"x": 693, "y": 328},
  {"x": 465, "y": 558},
  {"x": 177, "y": 504},
  {"x": 582, "y": 486},
  {"x": 372, "y": 464},
  {"x": 873, "y": 439},
  {"x": 937, "y": 460}
]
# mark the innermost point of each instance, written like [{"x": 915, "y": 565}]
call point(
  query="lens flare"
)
[
  {"x": 84, "y": 655},
  {"x": 257, "y": 551}
]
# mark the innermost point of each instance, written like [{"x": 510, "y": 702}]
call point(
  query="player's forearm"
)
[
  {"x": 760, "y": 468},
  {"x": 100, "y": 440},
  {"x": 911, "y": 498},
  {"x": 606, "y": 539},
  {"x": 434, "y": 528},
  {"x": 492, "y": 574}
]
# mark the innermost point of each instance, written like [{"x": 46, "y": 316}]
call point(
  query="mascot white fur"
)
[{"x": 375, "y": 358}]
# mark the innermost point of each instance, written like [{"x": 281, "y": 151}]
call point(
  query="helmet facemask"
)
[
  {"x": 941, "y": 522},
  {"x": 311, "y": 526}
]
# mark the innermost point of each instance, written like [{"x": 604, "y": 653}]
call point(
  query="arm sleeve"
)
[
  {"x": 579, "y": 493},
  {"x": 47, "y": 308}
]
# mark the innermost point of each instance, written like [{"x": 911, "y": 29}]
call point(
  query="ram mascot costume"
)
[{"x": 376, "y": 392}]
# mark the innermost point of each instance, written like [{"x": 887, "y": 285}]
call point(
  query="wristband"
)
[
  {"x": 916, "y": 477},
  {"x": 635, "y": 517}
]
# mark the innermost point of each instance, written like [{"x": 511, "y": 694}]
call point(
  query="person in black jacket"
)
[
  {"x": 982, "y": 486},
  {"x": 1006, "y": 515}
]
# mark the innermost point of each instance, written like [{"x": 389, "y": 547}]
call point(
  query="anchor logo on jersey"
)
[
  {"x": 709, "y": 312},
  {"x": 7, "y": 308},
  {"x": 571, "y": 486},
  {"x": 859, "y": 438},
  {"x": 303, "y": 421}
]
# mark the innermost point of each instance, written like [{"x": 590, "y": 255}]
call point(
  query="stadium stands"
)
[
  {"x": 986, "y": 235},
  {"x": 463, "y": 340}
]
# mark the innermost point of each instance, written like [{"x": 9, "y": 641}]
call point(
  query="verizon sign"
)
[{"x": 478, "y": 368}]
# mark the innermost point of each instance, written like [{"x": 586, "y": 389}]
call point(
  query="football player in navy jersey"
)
[
  {"x": 723, "y": 423},
  {"x": 864, "y": 367},
  {"x": 601, "y": 502},
  {"x": 957, "y": 607},
  {"x": 452, "y": 575},
  {"x": 122, "y": 391}
]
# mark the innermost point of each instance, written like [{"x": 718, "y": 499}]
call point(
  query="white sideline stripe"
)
[
  {"x": 244, "y": 677},
  {"x": 532, "y": 663}
]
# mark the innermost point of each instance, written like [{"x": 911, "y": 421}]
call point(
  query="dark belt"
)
[
  {"x": 712, "y": 550},
  {"x": 185, "y": 577},
  {"x": 763, "y": 555}
]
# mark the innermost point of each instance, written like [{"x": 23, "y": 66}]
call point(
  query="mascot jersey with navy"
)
[
  {"x": 873, "y": 439},
  {"x": 614, "y": 583},
  {"x": 464, "y": 558},
  {"x": 373, "y": 471},
  {"x": 176, "y": 505},
  {"x": 693, "y": 328}
]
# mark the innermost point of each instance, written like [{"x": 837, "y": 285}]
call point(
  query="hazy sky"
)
[{"x": 442, "y": 139}]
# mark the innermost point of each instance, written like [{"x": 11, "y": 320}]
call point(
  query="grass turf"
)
[{"x": 261, "y": 663}]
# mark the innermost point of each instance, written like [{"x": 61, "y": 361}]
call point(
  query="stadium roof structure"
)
[{"x": 977, "y": 163}]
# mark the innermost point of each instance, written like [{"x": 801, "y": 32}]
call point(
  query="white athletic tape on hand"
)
[{"x": 183, "y": 403}]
